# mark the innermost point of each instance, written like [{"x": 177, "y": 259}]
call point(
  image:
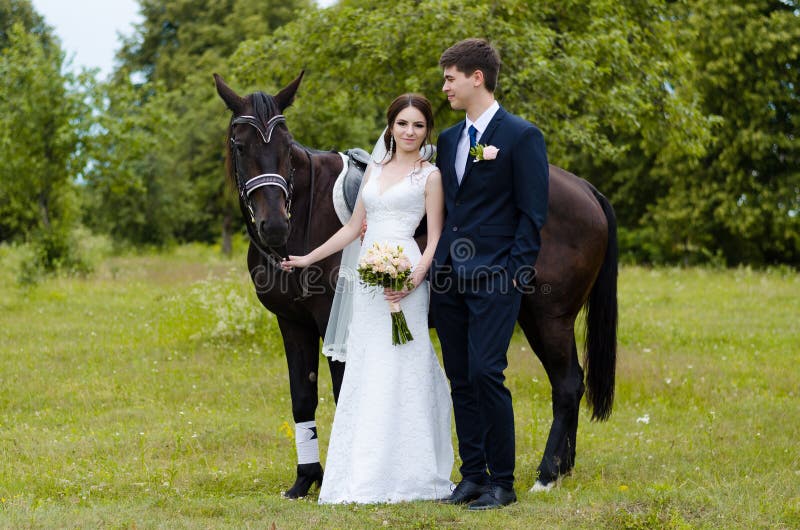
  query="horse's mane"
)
[{"x": 264, "y": 107}]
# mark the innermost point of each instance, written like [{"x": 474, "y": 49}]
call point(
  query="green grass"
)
[{"x": 154, "y": 394}]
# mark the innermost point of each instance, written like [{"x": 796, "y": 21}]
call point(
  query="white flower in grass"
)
[{"x": 644, "y": 419}]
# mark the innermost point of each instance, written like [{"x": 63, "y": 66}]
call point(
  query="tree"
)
[
  {"x": 132, "y": 194},
  {"x": 606, "y": 81},
  {"x": 580, "y": 70},
  {"x": 159, "y": 176},
  {"x": 742, "y": 203},
  {"x": 21, "y": 12},
  {"x": 43, "y": 121}
]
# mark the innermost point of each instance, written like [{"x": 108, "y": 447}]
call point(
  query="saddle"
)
[{"x": 345, "y": 189}]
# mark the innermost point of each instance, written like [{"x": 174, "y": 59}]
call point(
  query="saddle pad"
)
[{"x": 345, "y": 189}]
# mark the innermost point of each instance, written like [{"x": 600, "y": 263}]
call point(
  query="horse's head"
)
[{"x": 260, "y": 159}]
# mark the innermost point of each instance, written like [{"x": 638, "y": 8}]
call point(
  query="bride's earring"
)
[{"x": 391, "y": 145}]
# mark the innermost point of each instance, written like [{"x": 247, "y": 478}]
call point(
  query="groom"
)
[{"x": 496, "y": 203}]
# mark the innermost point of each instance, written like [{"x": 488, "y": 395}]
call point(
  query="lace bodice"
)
[{"x": 396, "y": 211}]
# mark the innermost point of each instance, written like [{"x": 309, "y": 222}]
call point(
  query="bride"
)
[{"x": 390, "y": 440}]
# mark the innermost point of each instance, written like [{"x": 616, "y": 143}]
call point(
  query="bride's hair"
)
[{"x": 401, "y": 102}]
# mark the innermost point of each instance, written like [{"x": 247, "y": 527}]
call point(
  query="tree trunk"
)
[{"x": 45, "y": 210}]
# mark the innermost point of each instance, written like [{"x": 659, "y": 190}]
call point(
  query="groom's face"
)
[{"x": 458, "y": 86}]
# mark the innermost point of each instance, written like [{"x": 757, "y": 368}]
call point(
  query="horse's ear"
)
[
  {"x": 285, "y": 97},
  {"x": 231, "y": 98}
]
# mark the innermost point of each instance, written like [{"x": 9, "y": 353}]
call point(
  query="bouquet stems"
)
[
  {"x": 385, "y": 266},
  {"x": 400, "y": 332}
]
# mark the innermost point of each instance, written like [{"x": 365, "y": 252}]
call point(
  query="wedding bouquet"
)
[{"x": 385, "y": 266}]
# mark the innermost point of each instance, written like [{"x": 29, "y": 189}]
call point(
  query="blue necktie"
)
[{"x": 473, "y": 136}]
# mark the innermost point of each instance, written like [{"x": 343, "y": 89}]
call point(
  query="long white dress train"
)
[{"x": 390, "y": 440}]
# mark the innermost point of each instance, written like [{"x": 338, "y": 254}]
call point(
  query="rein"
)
[{"x": 272, "y": 255}]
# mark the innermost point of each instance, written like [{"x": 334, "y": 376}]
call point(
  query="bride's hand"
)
[
  {"x": 417, "y": 277},
  {"x": 393, "y": 296},
  {"x": 295, "y": 261}
]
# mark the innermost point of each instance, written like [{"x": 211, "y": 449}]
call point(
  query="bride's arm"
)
[
  {"x": 344, "y": 236},
  {"x": 434, "y": 210}
]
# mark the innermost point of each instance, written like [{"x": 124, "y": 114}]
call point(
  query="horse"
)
[{"x": 285, "y": 197}]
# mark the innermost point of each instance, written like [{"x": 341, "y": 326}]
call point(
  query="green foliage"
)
[
  {"x": 160, "y": 157},
  {"x": 54, "y": 251},
  {"x": 44, "y": 119},
  {"x": 581, "y": 71},
  {"x": 74, "y": 252},
  {"x": 683, "y": 113},
  {"x": 618, "y": 88},
  {"x": 22, "y": 12},
  {"x": 178, "y": 38},
  {"x": 739, "y": 202},
  {"x": 132, "y": 190},
  {"x": 234, "y": 314},
  {"x": 37, "y": 136}
]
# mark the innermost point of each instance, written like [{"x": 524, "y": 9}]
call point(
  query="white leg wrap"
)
[{"x": 307, "y": 442}]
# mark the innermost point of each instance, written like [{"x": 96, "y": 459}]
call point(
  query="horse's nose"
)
[{"x": 273, "y": 234}]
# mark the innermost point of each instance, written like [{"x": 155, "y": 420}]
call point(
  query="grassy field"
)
[{"x": 154, "y": 394}]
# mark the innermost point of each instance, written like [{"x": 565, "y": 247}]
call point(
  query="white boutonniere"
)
[{"x": 484, "y": 152}]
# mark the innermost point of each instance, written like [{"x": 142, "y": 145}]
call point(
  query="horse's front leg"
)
[{"x": 301, "y": 343}]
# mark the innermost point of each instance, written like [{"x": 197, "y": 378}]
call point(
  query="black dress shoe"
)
[
  {"x": 495, "y": 497},
  {"x": 465, "y": 492}
]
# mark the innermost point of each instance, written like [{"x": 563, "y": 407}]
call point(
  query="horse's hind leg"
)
[
  {"x": 301, "y": 343},
  {"x": 554, "y": 344}
]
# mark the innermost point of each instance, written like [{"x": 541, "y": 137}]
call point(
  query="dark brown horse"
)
[{"x": 285, "y": 195}]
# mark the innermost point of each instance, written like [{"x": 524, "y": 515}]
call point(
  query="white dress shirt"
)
[{"x": 462, "y": 151}]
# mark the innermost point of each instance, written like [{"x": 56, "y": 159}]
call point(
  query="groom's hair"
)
[{"x": 470, "y": 55}]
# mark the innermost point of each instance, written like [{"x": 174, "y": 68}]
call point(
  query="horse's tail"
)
[{"x": 600, "y": 358}]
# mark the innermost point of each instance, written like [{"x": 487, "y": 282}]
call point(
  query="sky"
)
[{"x": 89, "y": 29}]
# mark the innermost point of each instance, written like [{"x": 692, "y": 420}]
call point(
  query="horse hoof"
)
[
  {"x": 543, "y": 487},
  {"x": 307, "y": 476}
]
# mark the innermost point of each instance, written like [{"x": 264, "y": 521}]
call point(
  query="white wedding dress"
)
[{"x": 390, "y": 440}]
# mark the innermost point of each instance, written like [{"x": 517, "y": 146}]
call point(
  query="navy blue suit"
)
[{"x": 491, "y": 236}]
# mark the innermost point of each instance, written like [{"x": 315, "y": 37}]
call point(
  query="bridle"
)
[
  {"x": 286, "y": 185},
  {"x": 265, "y": 179}
]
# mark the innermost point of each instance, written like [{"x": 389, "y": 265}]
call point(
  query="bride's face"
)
[{"x": 409, "y": 130}]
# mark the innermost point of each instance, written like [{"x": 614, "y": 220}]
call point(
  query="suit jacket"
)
[{"x": 495, "y": 217}]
